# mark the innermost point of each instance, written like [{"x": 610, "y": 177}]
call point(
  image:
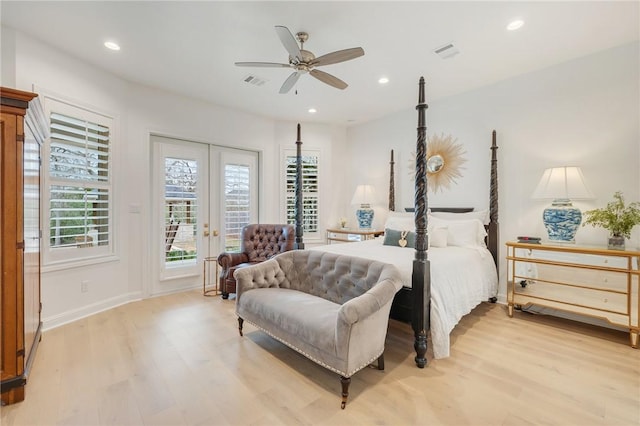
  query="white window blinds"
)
[
  {"x": 310, "y": 191},
  {"x": 79, "y": 149},
  {"x": 237, "y": 203},
  {"x": 79, "y": 183}
]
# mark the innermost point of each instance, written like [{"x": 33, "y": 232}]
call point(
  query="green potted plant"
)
[{"x": 617, "y": 218}]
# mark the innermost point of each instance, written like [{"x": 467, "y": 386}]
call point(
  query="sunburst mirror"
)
[{"x": 444, "y": 162}]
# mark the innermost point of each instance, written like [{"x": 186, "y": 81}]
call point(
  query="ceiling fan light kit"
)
[{"x": 305, "y": 62}]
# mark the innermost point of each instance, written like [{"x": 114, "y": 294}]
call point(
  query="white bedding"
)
[{"x": 461, "y": 278}]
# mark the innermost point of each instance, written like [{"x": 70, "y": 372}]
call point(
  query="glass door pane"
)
[
  {"x": 180, "y": 211},
  {"x": 239, "y": 191},
  {"x": 181, "y": 193}
]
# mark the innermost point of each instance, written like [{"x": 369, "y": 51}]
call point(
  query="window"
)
[
  {"x": 237, "y": 206},
  {"x": 78, "y": 182},
  {"x": 310, "y": 191}
]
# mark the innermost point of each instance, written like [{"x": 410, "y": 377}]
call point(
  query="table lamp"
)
[
  {"x": 363, "y": 197},
  {"x": 562, "y": 184}
]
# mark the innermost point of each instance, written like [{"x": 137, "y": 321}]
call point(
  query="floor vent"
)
[
  {"x": 447, "y": 51},
  {"x": 255, "y": 80}
]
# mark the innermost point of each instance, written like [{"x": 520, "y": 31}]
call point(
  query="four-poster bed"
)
[{"x": 458, "y": 289}]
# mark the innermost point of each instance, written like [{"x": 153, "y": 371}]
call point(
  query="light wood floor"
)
[{"x": 178, "y": 359}]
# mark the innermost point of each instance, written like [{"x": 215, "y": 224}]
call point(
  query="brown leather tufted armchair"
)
[{"x": 259, "y": 242}]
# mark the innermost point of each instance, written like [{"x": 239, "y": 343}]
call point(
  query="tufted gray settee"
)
[{"x": 333, "y": 309}]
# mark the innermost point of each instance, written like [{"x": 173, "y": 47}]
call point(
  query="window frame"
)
[{"x": 56, "y": 258}]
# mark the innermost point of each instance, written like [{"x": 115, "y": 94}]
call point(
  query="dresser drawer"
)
[
  {"x": 580, "y": 259},
  {"x": 597, "y": 279},
  {"x": 574, "y": 296}
]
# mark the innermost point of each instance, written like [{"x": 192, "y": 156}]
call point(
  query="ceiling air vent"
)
[
  {"x": 447, "y": 51},
  {"x": 255, "y": 80}
]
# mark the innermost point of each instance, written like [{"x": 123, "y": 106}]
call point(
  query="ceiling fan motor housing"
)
[{"x": 307, "y": 57}]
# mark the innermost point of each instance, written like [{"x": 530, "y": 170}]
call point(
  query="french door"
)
[{"x": 202, "y": 196}]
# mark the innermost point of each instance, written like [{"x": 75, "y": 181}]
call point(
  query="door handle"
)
[
  {"x": 206, "y": 233},
  {"x": 215, "y": 233}
]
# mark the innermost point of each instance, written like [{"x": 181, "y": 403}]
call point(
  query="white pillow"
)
[
  {"x": 481, "y": 215},
  {"x": 461, "y": 233},
  {"x": 438, "y": 237},
  {"x": 401, "y": 221}
]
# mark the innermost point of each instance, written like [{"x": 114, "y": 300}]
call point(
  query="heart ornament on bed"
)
[{"x": 402, "y": 242}]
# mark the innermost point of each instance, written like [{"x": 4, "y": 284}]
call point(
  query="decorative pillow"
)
[
  {"x": 393, "y": 237},
  {"x": 438, "y": 237},
  {"x": 397, "y": 220},
  {"x": 462, "y": 233},
  {"x": 481, "y": 215}
]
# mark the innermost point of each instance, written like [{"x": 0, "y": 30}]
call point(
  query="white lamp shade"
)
[
  {"x": 562, "y": 182},
  {"x": 365, "y": 194}
]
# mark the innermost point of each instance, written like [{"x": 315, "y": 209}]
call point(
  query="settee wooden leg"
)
[
  {"x": 240, "y": 322},
  {"x": 381, "y": 362},
  {"x": 345, "y": 381}
]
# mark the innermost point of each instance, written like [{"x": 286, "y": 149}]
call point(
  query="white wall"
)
[
  {"x": 585, "y": 112},
  {"x": 7, "y": 61},
  {"x": 141, "y": 111}
]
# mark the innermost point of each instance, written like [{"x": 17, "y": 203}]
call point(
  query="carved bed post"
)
[
  {"x": 493, "y": 202},
  {"x": 299, "y": 245},
  {"x": 421, "y": 277},
  {"x": 392, "y": 186}
]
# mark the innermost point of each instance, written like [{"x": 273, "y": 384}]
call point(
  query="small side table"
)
[
  {"x": 215, "y": 290},
  {"x": 350, "y": 235}
]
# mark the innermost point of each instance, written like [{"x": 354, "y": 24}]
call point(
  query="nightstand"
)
[
  {"x": 590, "y": 281},
  {"x": 351, "y": 235}
]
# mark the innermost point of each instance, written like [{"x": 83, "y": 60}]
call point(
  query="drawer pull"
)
[
  {"x": 606, "y": 300},
  {"x": 606, "y": 261}
]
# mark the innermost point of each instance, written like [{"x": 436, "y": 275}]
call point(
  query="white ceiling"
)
[{"x": 190, "y": 47}]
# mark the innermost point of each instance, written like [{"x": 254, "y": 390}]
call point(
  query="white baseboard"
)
[
  {"x": 174, "y": 290},
  {"x": 85, "y": 311}
]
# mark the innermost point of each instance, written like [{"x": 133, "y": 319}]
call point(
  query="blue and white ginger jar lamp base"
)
[
  {"x": 562, "y": 220},
  {"x": 365, "y": 216}
]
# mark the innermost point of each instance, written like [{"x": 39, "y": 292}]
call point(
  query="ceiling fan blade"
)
[
  {"x": 290, "y": 82},
  {"x": 289, "y": 42},
  {"x": 262, "y": 64},
  {"x": 329, "y": 79},
  {"x": 338, "y": 56}
]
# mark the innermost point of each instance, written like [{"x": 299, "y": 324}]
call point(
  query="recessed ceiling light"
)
[
  {"x": 111, "y": 45},
  {"x": 312, "y": 110},
  {"x": 514, "y": 25},
  {"x": 383, "y": 80}
]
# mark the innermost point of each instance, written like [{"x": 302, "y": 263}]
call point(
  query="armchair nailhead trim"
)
[{"x": 355, "y": 370}]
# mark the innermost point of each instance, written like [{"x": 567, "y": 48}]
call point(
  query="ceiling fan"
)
[{"x": 303, "y": 61}]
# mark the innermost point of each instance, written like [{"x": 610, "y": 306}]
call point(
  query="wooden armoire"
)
[{"x": 22, "y": 130}]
